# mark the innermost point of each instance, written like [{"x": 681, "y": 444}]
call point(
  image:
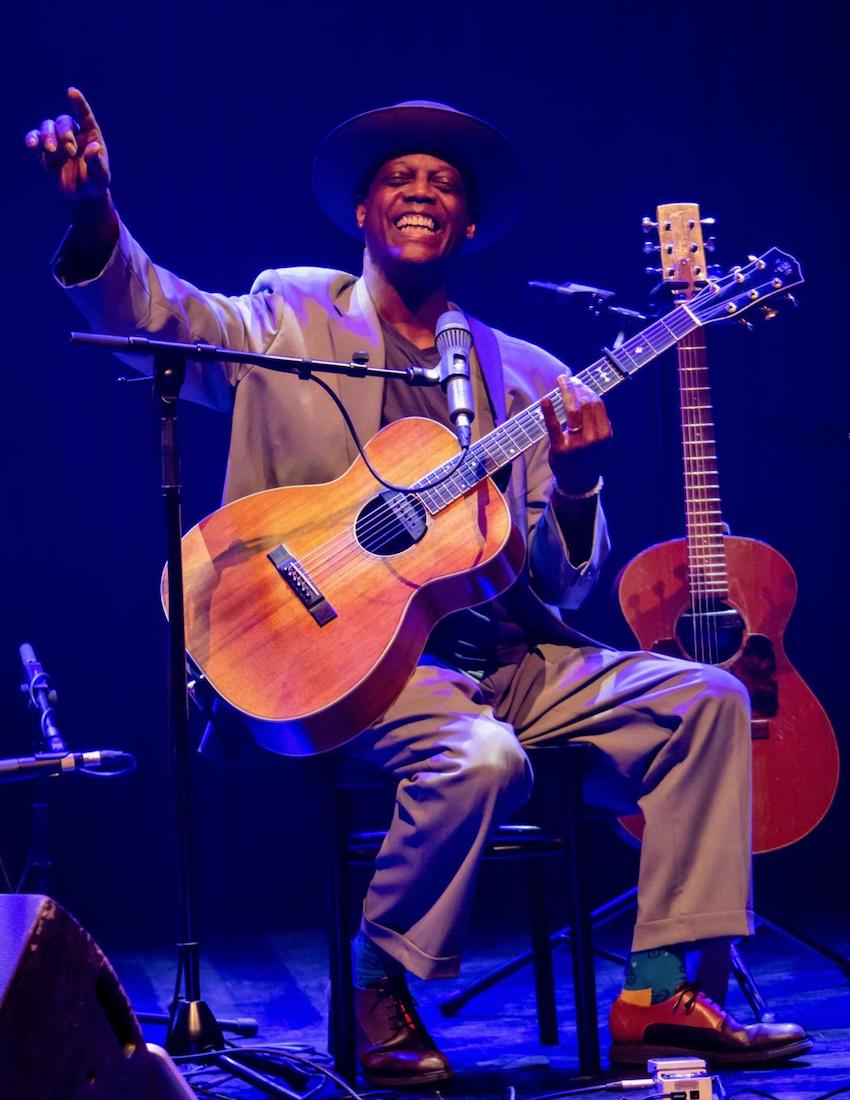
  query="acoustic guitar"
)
[
  {"x": 307, "y": 607},
  {"x": 725, "y": 600}
]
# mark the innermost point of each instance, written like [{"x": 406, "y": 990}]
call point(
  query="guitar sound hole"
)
[
  {"x": 390, "y": 523},
  {"x": 712, "y": 633}
]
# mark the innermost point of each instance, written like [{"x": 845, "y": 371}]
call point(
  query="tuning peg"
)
[
  {"x": 790, "y": 298},
  {"x": 747, "y": 323},
  {"x": 649, "y": 247},
  {"x": 768, "y": 312},
  {"x": 710, "y": 244},
  {"x": 653, "y": 270},
  {"x": 707, "y": 221},
  {"x": 647, "y": 224},
  {"x": 758, "y": 262},
  {"x": 715, "y": 269}
]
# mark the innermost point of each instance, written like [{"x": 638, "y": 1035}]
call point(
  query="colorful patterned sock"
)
[
  {"x": 370, "y": 963},
  {"x": 653, "y": 976}
]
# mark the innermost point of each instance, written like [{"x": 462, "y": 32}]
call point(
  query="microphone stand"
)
[
  {"x": 192, "y": 1026},
  {"x": 52, "y": 757}
]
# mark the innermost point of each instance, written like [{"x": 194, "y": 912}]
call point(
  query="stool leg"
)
[
  {"x": 581, "y": 945},
  {"x": 541, "y": 947},
  {"x": 341, "y": 1022}
]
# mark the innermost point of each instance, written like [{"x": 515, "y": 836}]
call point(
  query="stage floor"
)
[{"x": 492, "y": 1043}]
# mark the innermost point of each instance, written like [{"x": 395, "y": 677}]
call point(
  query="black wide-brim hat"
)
[{"x": 350, "y": 155}]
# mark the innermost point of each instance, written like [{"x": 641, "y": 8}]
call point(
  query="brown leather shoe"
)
[
  {"x": 688, "y": 1023},
  {"x": 393, "y": 1045}
]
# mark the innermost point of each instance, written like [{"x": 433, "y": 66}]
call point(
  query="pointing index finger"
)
[{"x": 82, "y": 112}]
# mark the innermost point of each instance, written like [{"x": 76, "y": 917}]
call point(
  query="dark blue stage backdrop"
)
[{"x": 212, "y": 113}]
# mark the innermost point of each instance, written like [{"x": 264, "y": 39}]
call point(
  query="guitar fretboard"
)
[
  {"x": 495, "y": 450},
  {"x": 706, "y": 546}
]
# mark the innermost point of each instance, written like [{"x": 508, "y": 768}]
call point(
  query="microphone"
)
[
  {"x": 58, "y": 763},
  {"x": 40, "y": 690},
  {"x": 454, "y": 343},
  {"x": 600, "y": 300},
  {"x": 574, "y": 288}
]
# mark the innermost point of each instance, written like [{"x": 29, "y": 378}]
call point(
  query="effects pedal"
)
[{"x": 684, "y": 1079}]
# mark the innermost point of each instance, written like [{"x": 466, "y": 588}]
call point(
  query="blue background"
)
[{"x": 212, "y": 113}]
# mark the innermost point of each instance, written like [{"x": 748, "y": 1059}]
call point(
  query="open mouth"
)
[{"x": 415, "y": 222}]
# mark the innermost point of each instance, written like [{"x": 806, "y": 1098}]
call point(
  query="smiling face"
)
[{"x": 416, "y": 212}]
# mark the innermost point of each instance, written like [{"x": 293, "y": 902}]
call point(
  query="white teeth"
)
[{"x": 416, "y": 221}]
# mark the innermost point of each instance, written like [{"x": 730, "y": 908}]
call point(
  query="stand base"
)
[
  {"x": 244, "y": 1026},
  {"x": 192, "y": 1029}
]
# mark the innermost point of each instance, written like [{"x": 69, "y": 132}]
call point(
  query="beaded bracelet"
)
[{"x": 593, "y": 492}]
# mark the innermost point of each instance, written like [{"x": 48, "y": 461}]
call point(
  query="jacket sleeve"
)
[
  {"x": 559, "y": 582},
  {"x": 556, "y": 579},
  {"x": 132, "y": 296}
]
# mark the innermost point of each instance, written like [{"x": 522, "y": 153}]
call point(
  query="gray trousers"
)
[{"x": 673, "y": 740}]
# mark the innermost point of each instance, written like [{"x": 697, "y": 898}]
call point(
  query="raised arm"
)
[
  {"x": 117, "y": 287},
  {"x": 73, "y": 153}
]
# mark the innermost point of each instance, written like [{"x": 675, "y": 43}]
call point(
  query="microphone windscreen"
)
[{"x": 453, "y": 332}]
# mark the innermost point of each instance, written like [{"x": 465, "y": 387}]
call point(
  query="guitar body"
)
[
  {"x": 306, "y": 681},
  {"x": 795, "y": 755}
]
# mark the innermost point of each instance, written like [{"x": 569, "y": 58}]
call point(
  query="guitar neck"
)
[
  {"x": 707, "y": 570},
  {"x": 501, "y": 446}
]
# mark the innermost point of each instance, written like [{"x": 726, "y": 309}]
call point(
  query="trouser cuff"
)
[
  {"x": 688, "y": 928},
  {"x": 411, "y": 957}
]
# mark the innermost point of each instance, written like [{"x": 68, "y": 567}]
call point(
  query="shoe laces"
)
[
  {"x": 400, "y": 1005},
  {"x": 689, "y": 994}
]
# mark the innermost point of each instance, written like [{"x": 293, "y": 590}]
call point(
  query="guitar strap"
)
[{"x": 486, "y": 347}]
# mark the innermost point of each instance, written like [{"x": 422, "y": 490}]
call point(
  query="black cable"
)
[
  {"x": 569, "y": 1092},
  {"x": 605, "y": 1086},
  {"x": 280, "y": 1052},
  {"x": 112, "y": 755},
  {"x": 388, "y": 484}
]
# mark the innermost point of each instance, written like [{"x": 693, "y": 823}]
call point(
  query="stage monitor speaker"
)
[{"x": 67, "y": 1030}]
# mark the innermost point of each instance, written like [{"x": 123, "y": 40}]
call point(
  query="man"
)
[{"x": 422, "y": 182}]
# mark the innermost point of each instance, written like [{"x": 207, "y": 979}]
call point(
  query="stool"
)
[{"x": 564, "y": 766}]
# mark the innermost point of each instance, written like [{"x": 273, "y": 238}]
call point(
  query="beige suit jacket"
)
[{"x": 286, "y": 431}]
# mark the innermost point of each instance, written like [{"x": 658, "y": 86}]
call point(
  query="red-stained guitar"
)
[{"x": 725, "y": 600}]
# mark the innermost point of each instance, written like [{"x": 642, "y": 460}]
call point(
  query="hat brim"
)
[{"x": 351, "y": 152}]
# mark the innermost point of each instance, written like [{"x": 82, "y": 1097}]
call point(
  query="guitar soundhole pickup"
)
[{"x": 298, "y": 579}]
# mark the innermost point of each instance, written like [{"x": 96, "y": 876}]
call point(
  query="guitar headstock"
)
[
  {"x": 680, "y": 246},
  {"x": 711, "y": 297},
  {"x": 741, "y": 288}
]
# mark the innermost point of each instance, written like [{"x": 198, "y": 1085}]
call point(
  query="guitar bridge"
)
[{"x": 298, "y": 579}]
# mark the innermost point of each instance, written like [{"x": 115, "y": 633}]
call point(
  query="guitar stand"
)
[{"x": 614, "y": 908}]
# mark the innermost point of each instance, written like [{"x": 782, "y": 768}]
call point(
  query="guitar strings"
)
[
  {"x": 329, "y": 554},
  {"x": 600, "y": 376},
  {"x": 706, "y": 548},
  {"x": 694, "y": 481},
  {"x": 529, "y": 422},
  {"x": 489, "y": 447}
]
